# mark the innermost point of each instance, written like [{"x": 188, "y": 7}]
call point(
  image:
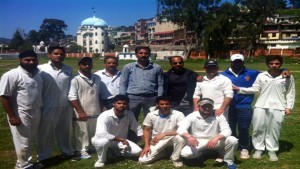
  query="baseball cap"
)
[
  {"x": 210, "y": 63},
  {"x": 237, "y": 56},
  {"x": 204, "y": 101},
  {"x": 84, "y": 58}
]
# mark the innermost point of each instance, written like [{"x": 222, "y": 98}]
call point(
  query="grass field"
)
[{"x": 289, "y": 153}]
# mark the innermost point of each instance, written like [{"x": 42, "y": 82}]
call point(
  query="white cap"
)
[{"x": 236, "y": 56}]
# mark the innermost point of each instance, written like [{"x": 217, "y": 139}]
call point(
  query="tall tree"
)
[
  {"x": 52, "y": 30},
  {"x": 33, "y": 37},
  {"x": 17, "y": 40},
  {"x": 219, "y": 28}
]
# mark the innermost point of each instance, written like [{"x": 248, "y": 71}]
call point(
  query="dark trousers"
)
[{"x": 239, "y": 119}]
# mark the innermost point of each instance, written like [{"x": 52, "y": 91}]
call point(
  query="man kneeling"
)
[
  {"x": 162, "y": 123},
  {"x": 204, "y": 130},
  {"x": 112, "y": 129}
]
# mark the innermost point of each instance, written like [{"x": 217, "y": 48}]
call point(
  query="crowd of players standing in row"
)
[{"x": 193, "y": 113}]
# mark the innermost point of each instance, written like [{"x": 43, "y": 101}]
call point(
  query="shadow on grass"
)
[{"x": 285, "y": 146}]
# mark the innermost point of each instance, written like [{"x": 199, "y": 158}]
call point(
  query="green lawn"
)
[{"x": 289, "y": 153}]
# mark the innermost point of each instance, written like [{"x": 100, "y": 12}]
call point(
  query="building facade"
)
[{"x": 92, "y": 35}]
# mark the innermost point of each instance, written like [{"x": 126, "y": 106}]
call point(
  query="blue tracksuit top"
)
[{"x": 245, "y": 79}]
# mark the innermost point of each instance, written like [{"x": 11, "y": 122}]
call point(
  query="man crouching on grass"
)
[
  {"x": 112, "y": 129},
  {"x": 204, "y": 131}
]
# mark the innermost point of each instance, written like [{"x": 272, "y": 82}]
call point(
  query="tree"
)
[
  {"x": 33, "y": 37},
  {"x": 17, "y": 40},
  {"x": 52, "y": 30},
  {"x": 218, "y": 29},
  {"x": 251, "y": 17}
]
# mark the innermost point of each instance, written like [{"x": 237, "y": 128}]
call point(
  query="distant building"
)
[
  {"x": 92, "y": 35},
  {"x": 281, "y": 32}
]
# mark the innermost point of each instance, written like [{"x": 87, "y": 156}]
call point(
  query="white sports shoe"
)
[
  {"x": 85, "y": 155},
  {"x": 272, "y": 156},
  {"x": 177, "y": 163},
  {"x": 99, "y": 164},
  {"x": 257, "y": 154},
  {"x": 244, "y": 154}
]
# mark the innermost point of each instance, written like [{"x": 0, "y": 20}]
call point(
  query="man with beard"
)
[
  {"x": 21, "y": 96},
  {"x": 142, "y": 81},
  {"x": 112, "y": 129},
  {"x": 57, "y": 111},
  {"x": 204, "y": 130},
  {"x": 84, "y": 96},
  {"x": 110, "y": 78},
  {"x": 180, "y": 85}
]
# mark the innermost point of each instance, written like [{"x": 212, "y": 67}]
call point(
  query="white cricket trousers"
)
[
  {"x": 55, "y": 122},
  {"x": 103, "y": 144},
  {"x": 227, "y": 145},
  {"x": 24, "y": 134},
  {"x": 177, "y": 142},
  {"x": 266, "y": 128},
  {"x": 84, "y": 131}
]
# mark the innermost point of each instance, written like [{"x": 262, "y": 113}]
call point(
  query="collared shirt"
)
[
  {"x": 56, "y": 85},
  {"x": 111, "y": 84},
  {"x": 87, "y": 91},
  {"x": 109, "y": 125},
  {"x": 138, "y": 80},
  {"x": 24, "y": 88},
  {"x": 216, "y": 89},
  {"x": 201, "y": 128},
  {"x": 162, "y": 125},
  {"x": 245, "y": 78},
  {"x": 275, "y": 92}
]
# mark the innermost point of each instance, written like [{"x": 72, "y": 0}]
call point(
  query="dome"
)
[{"x": 93, "y": 22}]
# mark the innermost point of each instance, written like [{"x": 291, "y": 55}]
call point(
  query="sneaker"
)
[
  {"x": 99, "y": 164},
  {"x": 219, "y": 160},
  {"x": 85, "y": 155},
  {"x": 272, "y": 156},
  {"x": 244, "y": 154},
  {"x": 257, "y": 154},
  {"x": 177, "y": 163},
  {"x": 27, "y": 166},
  {"x": 231, "y": 165}
]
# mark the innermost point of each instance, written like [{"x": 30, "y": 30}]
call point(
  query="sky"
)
[{"x": 29, "y": 14}]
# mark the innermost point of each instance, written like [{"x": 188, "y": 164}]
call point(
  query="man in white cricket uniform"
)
[
  {"x": 214, "y": 86},
  {"x": 20, "y": 91},
  {"x": 84, "y": 96},
  {"x": 276, "y": 99},
  {"x": 204, "y": 131},
  {"x": 57, "y": 111},
  {"x": 160, "y": 132},
  {"x": 112, "y": 129},
  {"x": 110, "y": 78}
]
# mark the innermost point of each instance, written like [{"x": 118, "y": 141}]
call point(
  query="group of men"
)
[{"x": 188, "y": 112}]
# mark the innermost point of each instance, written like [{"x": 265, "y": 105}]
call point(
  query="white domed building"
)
[{"x": 92, "y": 35}]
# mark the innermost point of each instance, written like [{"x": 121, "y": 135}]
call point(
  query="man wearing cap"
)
[
  {"x": 110, "y": 78},
  {"x": 21, "y": 96},
  {"x": 57, "y": 111},
  {"x": 203, "y": 131},
  {"x": 214, "y": 86},
  {"x": 240, "y": 110},
  {"x": 84, "y": 96}
]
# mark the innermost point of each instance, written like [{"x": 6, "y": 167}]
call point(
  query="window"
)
[
  {"x": 96, "y": 34},
  {"x": 273, "y": 34},
  {"x": 96, "y": 42}
]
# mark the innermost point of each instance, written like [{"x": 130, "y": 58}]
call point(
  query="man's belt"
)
[{"x": 144, "y": 94}]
